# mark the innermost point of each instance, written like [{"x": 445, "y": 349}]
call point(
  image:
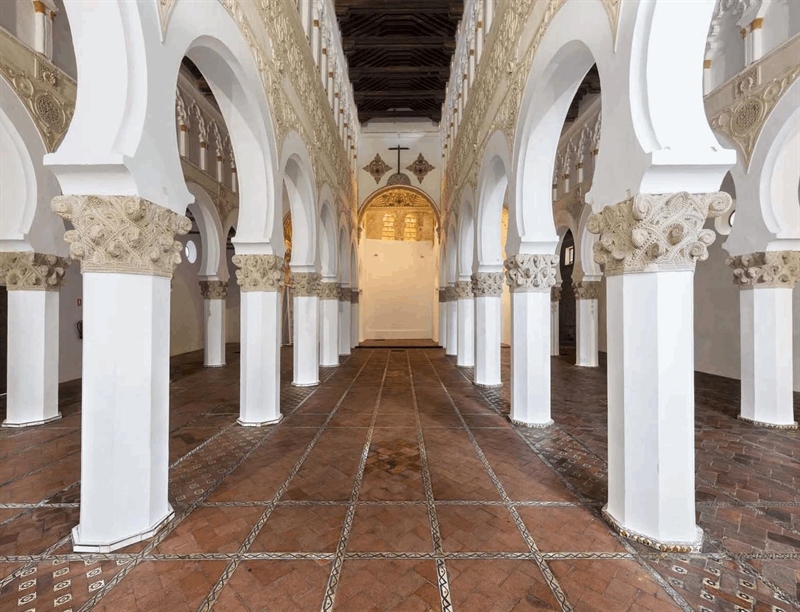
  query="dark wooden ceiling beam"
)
[
  {"x": 398, "y": 71},
  {"x": 392, "y": 94},
  {"x": 400, "y": 43}
]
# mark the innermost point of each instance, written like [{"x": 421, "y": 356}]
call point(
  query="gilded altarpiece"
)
[{"x": 399, "y": 214}]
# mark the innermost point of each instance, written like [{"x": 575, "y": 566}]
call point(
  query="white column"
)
[
  {"x": 126, "y": 337},
  {"x": 443, "y": 318},
  {"x": 488, "y": 15},
  {"x": 555, "y": 298},
  {"x": 586, "y": 325},
  {"x": 204, "y": 155},
  {"x": 323, "y": 64},
  {"x": 355, "y": 323},
  {"x": 306, "y": 328},
  {"x": 465, "y": 302},
  {"x": 182, "y": 133},
  {"x": 329, "y": 328},
  {"x": 649, "y": 266},
  {"x": 488, "y": 290},
  {"x": 316, "y": 15},
  {"x": 452, "y": 320},
  {"x": 214, "y": 294},
  {"x": 530, "y": 278},
  {"x": 33, "y": 281},
  {"x": 260, "y": 280},
  {"x": 345, "y": 337},
  {"x": 765, "y": 281},
  {"x": 305, "y": 16}
]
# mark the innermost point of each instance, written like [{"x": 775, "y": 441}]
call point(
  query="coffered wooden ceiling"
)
[{"x": 399, "y": 52}]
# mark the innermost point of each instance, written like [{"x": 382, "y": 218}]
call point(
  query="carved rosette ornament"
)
[
  {"x": 305, "y": 284},
  {"x": 345, "y": 294},
  {"x": 122, "y": 234},
  {"x": 259, "y": 272},
  {"x": 586, "y": 290},
  {"x": 442, "y": 296},
  {"x": 534, "y": 272},
  {"x": 450, "y": 293},
  {"x": 213, "y": 290},
  {"x": 354, "y": 296},
  {"x": 329, "y": 291},
  {"x": 652, "y": 232},
  {"x": 29, "y": 271},
  {"x": 488, "y": 284},
  {"x": 555, "y": 293},
  {"x": 463, "y": 290},
  {"x": 770, "y": 269}
]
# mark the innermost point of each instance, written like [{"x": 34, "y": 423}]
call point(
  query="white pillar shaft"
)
[
  {"x": 182, "y": 141},
  {"x": 323, "y": 69},
  {"x": 329, "y": 329},
  {"x": 488, "y": 15},
  {"x": 530, "y": 358},
  {"x": 32, "y": 358},
  {"x": 555, "y": 348},
  {"x": 354, "y": 324},
  {"x": 216, "y": 317},
  {"x": 220, "y": 169},
  {"x": 466, "y": 332},
  {"x": 259, "y": 402},
  {"x": 345, "y": 337},
  {"x": 766, "y": 347},
  {"x": 651, "y": 404},
  {"x": 452, "y": 328},
  {"x": 125, "y": 410},
  {"x": 40, "y": 32},
  {"x": 306, "y": 341},
  {"x": 204, "y": 156},
  {"x": 586, "y": 328},
  {"x": 443, "y": 324},
  {"x": 488, "y": 316}
]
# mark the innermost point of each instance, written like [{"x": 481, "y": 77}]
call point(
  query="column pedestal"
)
[
  {"x": 466, "y": 324},
  {"x": 329, "y": 324},
  {"x": 452, "y": 321},
  {"x": 766, "y": 281},
  {"x": 260, "y": 280},
  {"x": 214, "y": 294},
  {"x": 488, "y": 290},
  {"x": 586, "y": 326},
  {"x": 33, "y": 281},
  {"x": 442, "y": 319},
  {"x": 555, "y": 344},
  {"x": 344, "y": 320},
  {"x": 306, "y": 329}
]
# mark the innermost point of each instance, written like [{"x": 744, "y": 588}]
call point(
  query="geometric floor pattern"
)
[{"x": 397, "y": 484}]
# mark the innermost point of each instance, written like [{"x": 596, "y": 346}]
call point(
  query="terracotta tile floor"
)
[{"x": 398, "y": 485}]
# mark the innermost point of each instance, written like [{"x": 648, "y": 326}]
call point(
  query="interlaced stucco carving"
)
[
  {"x": 329, "y": 291},
  {"x": 463, "y": 290},
  {"x": 123, "y": 234},
  {"x": 531, "y": 272},
  {"x": 450, "y": 293},
  {"x": 305, "y": 284},
  {"x": 770, "y": 269},
  {"x": 555, "y": 293},
  {"x": 651, "y": 232},
  {"x": 259, "y": 272},
  {"x": 488, "y": 284},
  {"x": 586, "y": 290},
  {"x": 213, "y": 290},
  {"x": 354, "y": 296},
  {"x": 29, "y": 271},
  {"x": 345, "y": 294}
]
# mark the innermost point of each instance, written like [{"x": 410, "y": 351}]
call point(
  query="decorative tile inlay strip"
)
[
  {"x": 214, "y": 290},
  {"x": 488, "y": 284},
  {"x": 531, "y": 272},
  {"x": 122, "y": 234},
  {"x": 770, "y": 269},
  {"x": 29, "y": 271},
  {"x": 652, "y": 232},
  {"x": 259, "y": 272}
]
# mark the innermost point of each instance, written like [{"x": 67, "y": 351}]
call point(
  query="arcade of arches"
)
[{"x": 454, "y": 304}]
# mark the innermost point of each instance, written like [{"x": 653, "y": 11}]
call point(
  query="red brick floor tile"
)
[
  {"x": 210, "y": 530},
  {"x": 34, "y": 531},
  {"x": 498, "y": 585},
  {"x": 568, "y": 529},
  {"x": 479, "y": 528},
  {"x": 390, "y": 528},
  {"x": 301, "y": 528},
  {"x": 387, "y": 585}
]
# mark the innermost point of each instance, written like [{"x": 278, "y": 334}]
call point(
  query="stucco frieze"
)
[
  {"x": 532, "y": 272},
  {"x": 770, "y": 269},
  {"x": 29, "y": 271},
  {"x": 488, "y": 284}
]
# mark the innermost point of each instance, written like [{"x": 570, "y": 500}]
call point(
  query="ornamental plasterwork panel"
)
[
  {"x": 377, "y": 168},
  {"x": 420, "y": 168},
  {"x": 770, "y": 269},
  {"x": 47, "y": 93},
  {"x": 29, "y": 271}
]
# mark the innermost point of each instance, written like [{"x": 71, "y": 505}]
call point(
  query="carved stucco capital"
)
[
  {"x": 555, "y": 293},
  {"x": 770, "y": 269},
  {"x": 354, "y": 296},
  {"x": 450, "y": 293},
  {"x": 329, "y": 291},
  {"x": 463, "y": 290},
  {"x": 213, "y": 290},
  {"x": 345, "y": 294},
  {"x": 586, "y": 290},
  {"x": 652, "y": 232},
  {"x": 259, "y": 272},
  {"x": 533, "y": 272},
  {"x": 488, "y": 284},
  {"x": 442, "y": 295},
  {"x": 122, "y": 234},
  {"x": 305, "y": 284},
  {"x": 29, "y": 271}
]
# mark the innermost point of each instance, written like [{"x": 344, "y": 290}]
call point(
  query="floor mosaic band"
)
[{"x": 398, "y": 484}]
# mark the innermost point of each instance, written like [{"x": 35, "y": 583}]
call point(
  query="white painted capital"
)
[
  {"x": 213, "y": 290},
  {"x": 29, "y": 271},
  {"x": 532, "y": 272},
  {"x": 770, "y": 269},
  {"x": 656, "y": 232},
  {"x": 328, "y": 291},
  {"x": 259, "y": 272},
  {"x": 488, "y": 284},
  {"x": 463, "y": 290},
  {"x": 305, "y": 284},
  {"x": 586, "y": 290},
  {"x": 122, "y": 234}
]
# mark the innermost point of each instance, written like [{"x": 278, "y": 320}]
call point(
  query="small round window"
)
[
  {"x": 190, "y": 251},
  {"x": 731, "y": 218}
]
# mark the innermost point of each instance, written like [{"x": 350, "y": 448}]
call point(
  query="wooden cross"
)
[{"x": 398, "y": 148}]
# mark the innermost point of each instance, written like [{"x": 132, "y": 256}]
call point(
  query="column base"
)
[
  {"x": 329, "y": 365},
  {"x": 44, "y": 421},
  {"x": 488, "y": 386},
  {"x": 311, "y": 384},
  {"x": 757, "y": 423},
  {"x": 260, "y": 423},
  {"x": 107, "y": 547},
  {"x": 531, "y": 425},
  {"x": 214, "y": 365},
  {"x": 660, "y": 545}
]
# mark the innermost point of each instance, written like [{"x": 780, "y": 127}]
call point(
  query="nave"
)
[{"x": 398, "y": 484}]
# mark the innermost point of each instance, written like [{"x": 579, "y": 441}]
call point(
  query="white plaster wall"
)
[
  {"x": 186, "y": 311},
  {"x": 397, "y": 280}
]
